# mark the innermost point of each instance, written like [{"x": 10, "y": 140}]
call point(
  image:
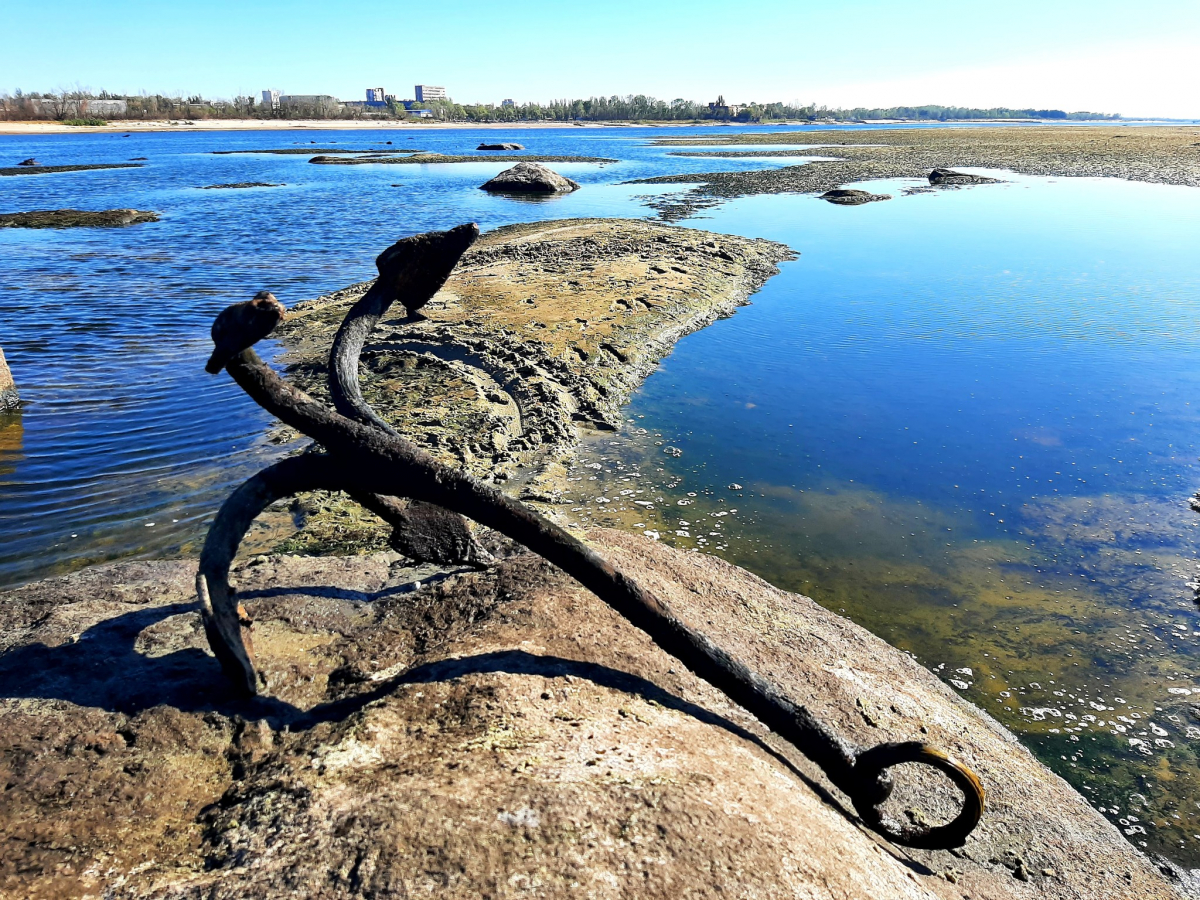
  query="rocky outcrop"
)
[
  {"x": 542, "y": 331},
  {"x": 9, "y": 399},
  {"x": 28, "y": 162},
  {"x": 530, "y": 178},
  {"x": 850, "y": 197},
  {"x": 76, "y": 218},
  {"x": 949, "y": 176},
  {"x": 500, "y": 147},
  {"x": 500, "y": 733}
]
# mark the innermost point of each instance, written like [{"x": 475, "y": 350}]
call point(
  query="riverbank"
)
[{"x": 1164, "y": 155}]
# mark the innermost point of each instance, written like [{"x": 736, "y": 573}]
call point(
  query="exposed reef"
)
[
  {"x": 1168, "y": 155},
  {"x": 25, "y": 169},
  {"x": 76, "y": 218},
  {"x": 240, "y": 184}
]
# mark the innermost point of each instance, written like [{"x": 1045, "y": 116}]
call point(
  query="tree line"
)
[{"x": 64, "y": 105}]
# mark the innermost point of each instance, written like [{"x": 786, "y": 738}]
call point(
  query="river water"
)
[{"x": 966, "y": 418}]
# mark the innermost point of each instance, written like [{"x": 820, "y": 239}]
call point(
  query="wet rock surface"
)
[
  {"x": 531, "y": 178},
  {"x": 76, "y": 218},
  {"x": 490, "y": 733},
  {"x": 239, "y": 185},
  {"x": 849, "y": 197},
  {"x": 542, "y": 331},
  {"x": 28, "y": 162},
  {"x": 1166, "y": 155},
  {"x": 500, "y": 147}
]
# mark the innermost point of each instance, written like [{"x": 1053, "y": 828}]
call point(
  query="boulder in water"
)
[
  {"x": 949, "y": 176},
  {"x": 850, "y": 197},
  {"x": 28, "y": 162},
  {"x": 531, "y": 178},
  {"x": 8, "y": 390},
  {"x": 500, "y": 147}
]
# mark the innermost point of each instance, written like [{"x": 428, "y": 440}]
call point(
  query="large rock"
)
[
  {"x": 949, "y": 176},
  {"x": 28, "y": 162},
  {"x": 851, "y": 197},
  {"x": 500, "y": 147},
  {"x": 496, "y": 734},
  {"x": 531, "y": 178},
  {"x": 8, "y": 390}
]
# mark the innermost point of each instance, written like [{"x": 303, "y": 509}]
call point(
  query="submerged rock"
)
[
  {"x": 531, "y": 178},
  {"x": 500, "y": 147},
  {"x": 850, "y": 197},
  {"x": 76, "y": 218},
  {"x": 949, "y": 176},
  {"x": 464, "y": 735},
  {"x": 9, "y": 399},
  {"x": 240, "y": 184}
]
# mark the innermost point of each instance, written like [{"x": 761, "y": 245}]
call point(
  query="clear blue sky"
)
[{"x": 1133, "y": 58}]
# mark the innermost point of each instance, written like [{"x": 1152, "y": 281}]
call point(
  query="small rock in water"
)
[
  {"x": 500, "y": 147},
  {"x": 735, "y": 487},
  {"x": 949, "y": 176},
  {"x": 672, "y": 451},
  {"x": 850, "y": 197},
  {"x": 531, "y": 178},
  {"x": 28, "y": 162}
]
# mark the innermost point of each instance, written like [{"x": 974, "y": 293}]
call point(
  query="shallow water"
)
[{"x": 964, "y": 417}]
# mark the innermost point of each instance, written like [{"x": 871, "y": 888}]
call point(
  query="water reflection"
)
[{"x": 11, "y": 440}]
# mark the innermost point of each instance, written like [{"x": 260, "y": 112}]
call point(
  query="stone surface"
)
[
  {"x": 493, "y": 734},
  {"x": 76, "y": 218},
  {"x": 949, "y": 176},
  {"x": 540, "y": 334},
  {"x": 850, "y": 197},
  {"x": 9, "y": 398},
  {"x": 531, "y": 178},
  {"x": 500, "y": 147},
  {"x": 28, "y": 162}
]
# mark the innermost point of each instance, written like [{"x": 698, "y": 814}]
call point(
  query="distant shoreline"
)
[{"x": 123, "y": 126}]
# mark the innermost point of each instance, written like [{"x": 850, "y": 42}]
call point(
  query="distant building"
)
[
  {"x": 721, "y": 108},
  {"x": 507, "y": 103},
  {"x": 318, "y": 103},
  {"x": 104, "y": 107},
  {"x": 427, "y": 92},
  {"x": 376, "y": 95},
  {"x": 271, "y": 99}
]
